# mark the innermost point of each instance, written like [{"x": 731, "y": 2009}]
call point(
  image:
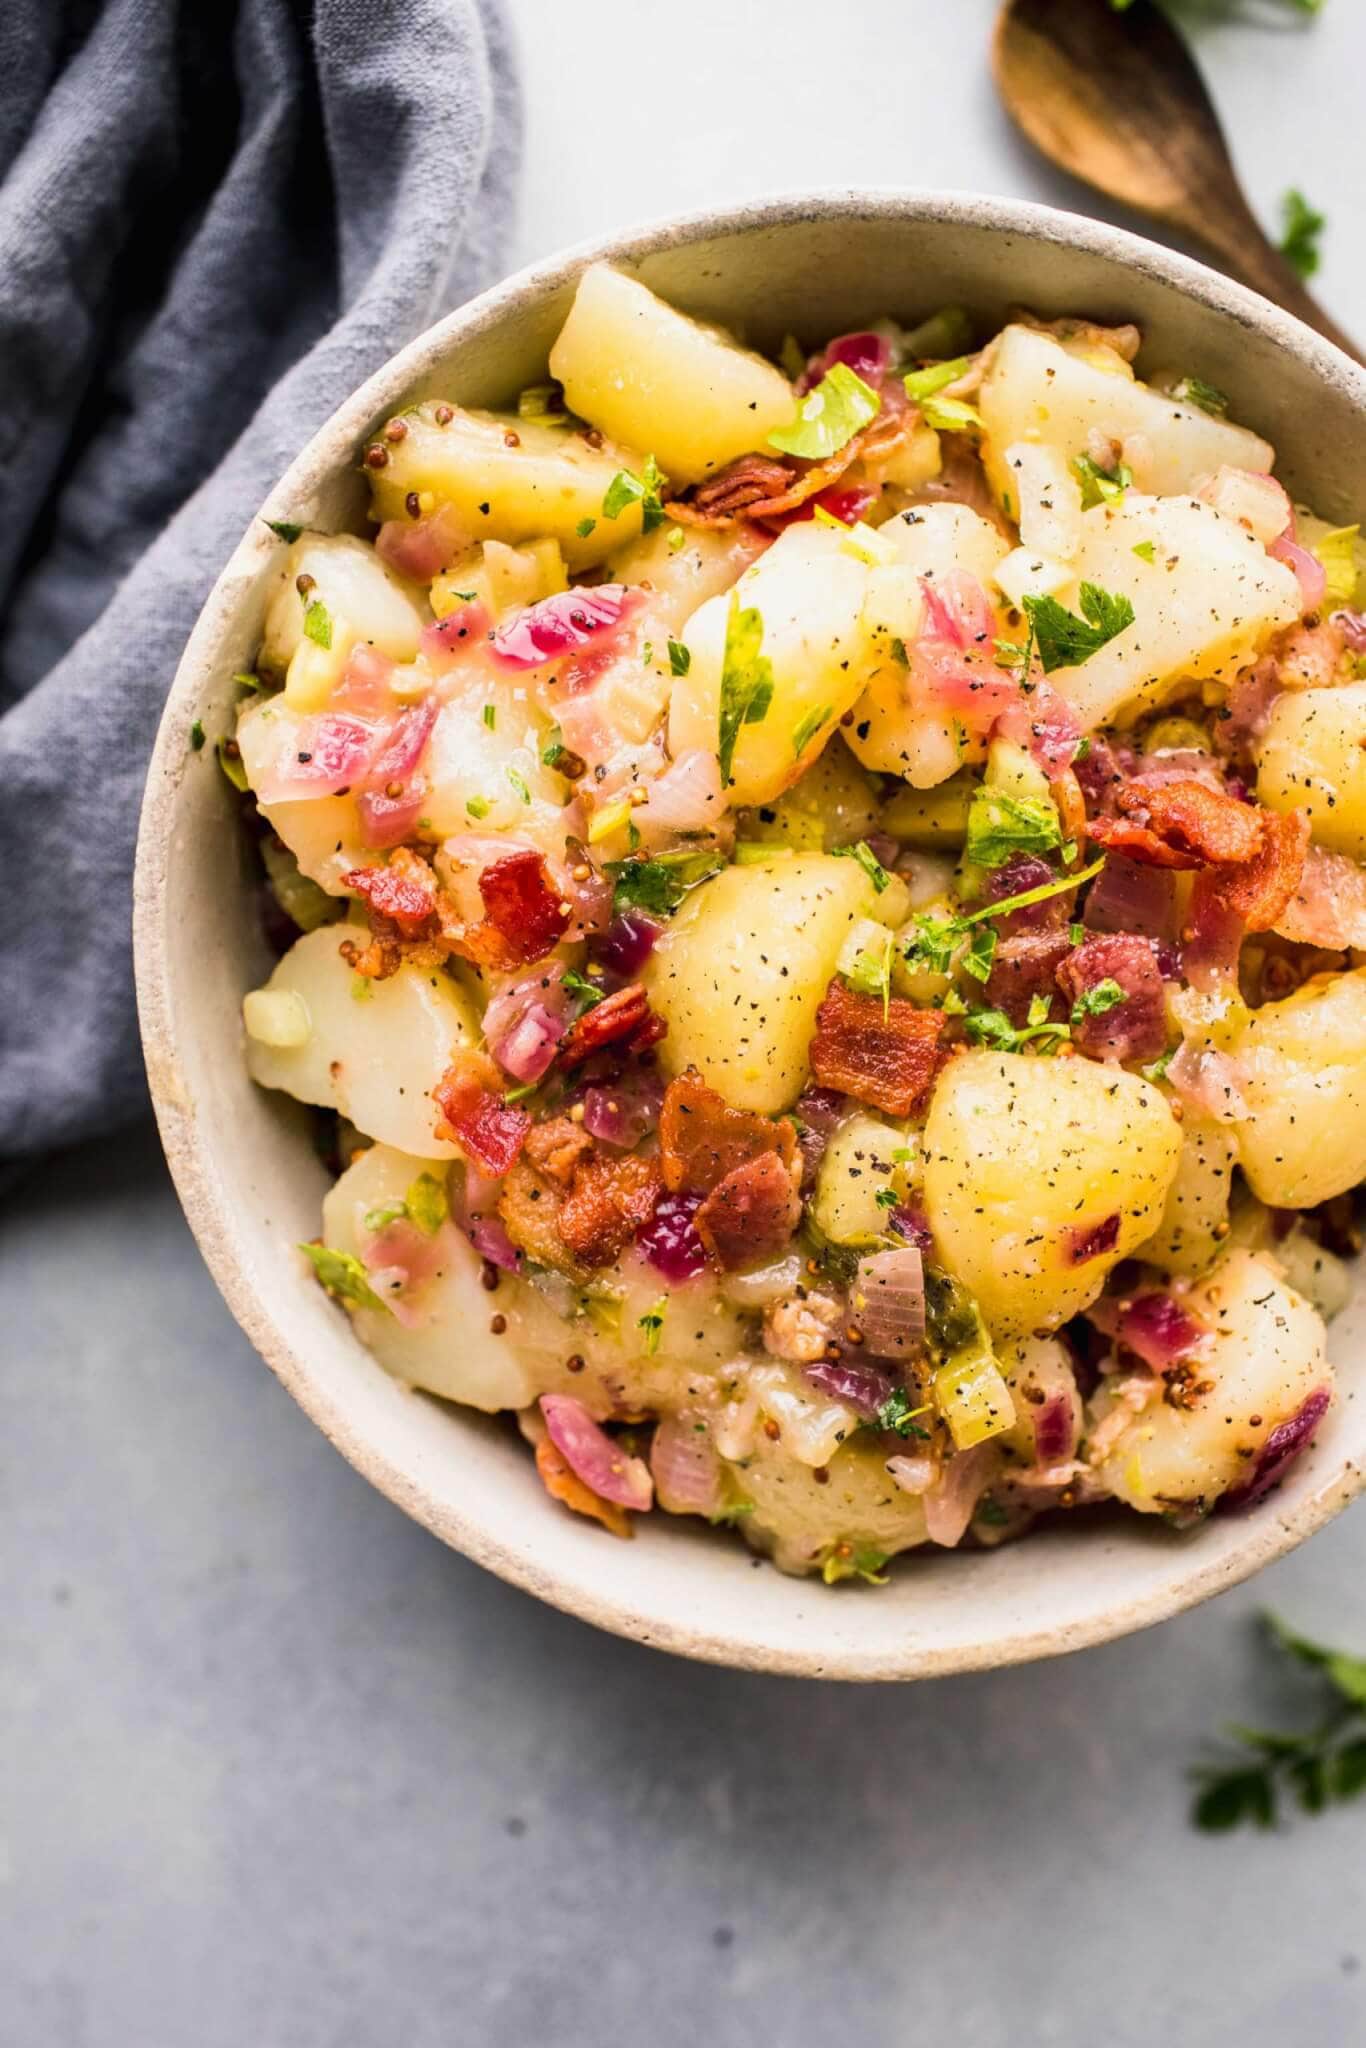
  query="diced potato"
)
[
  {"x": 1204, "y": 606},
  {"x": 1313, "y": 758},
  {"x": 1195, "y": 1217},
  {"x": 1032, "y": 1162},
  {"x": 809, "y": 592},
  {"x": 1305, "y": 1065},
  {"x": 1036, "y": 390},
  {"x": 682, "y": 566},
  {"x": 1023, "y": 574},
  {"x": 743, "y": 967},
  {"x": 323, "y": 833},
  {"x": 931, "y": 819},
  {"x": 912, "y": 464},
  {"x": 501, "y": 577},
  {"x": 484, "y": 778},
  {"x": 510, "y": 479},
  {"x": 449, "y": 1349},
  {"x": 834, "y": 804},
  {"x": 356, "y": 589},
  {"x": 860, "y": 1164},
  {"x": 1262, "y": 1359},
  {"x": 1038, "y": 1372},
  {"x": 648, "y": 375},
  {"x": 1046, "y": 499},
  {"x": 376, "y": 1049},
  {"x": 891, "y": 731}
]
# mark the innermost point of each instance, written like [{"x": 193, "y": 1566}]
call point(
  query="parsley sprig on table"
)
[{"x": 1319, "y": 1766}]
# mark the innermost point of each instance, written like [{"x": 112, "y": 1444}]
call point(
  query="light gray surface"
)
[{"x": 277, "y": 1771}]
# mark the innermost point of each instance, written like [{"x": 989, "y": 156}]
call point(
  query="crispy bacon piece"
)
[
  {"x": 564, "y": 1485},
  {"x": 761, "y": 487},
  {"x": 1135, "y": 1029},
  {"x": 751, "y": 1214},
  {"x": 608, "y": 1202},
  {"x": 523, "y": 906},
  {"x": 720, "y": 499},
  {"x": 888, "y": 1061},
  {"x": 403, "y": 892},
  {"x": 478, "y": 1120},
  {"x": 556, "y": 1146},
  {"x": 1260, "y": 890},
  {"x": 529, "y": 1210},
  {"x": 702, "y": 1139},
  {"x": 1025, "y": 965},
  {"x": 1181, "y": 824},
  {"x": 624, "y": 1015}
]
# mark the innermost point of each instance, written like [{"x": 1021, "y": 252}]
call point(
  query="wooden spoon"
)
[{"x": 1115, "y": 99}]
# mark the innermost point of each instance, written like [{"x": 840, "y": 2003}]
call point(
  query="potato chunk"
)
[
  {"x": 1305, "y": 1066},
  {"x": 1313, "y": 758},
  {"x": 741, "y": 971},
  {"x": 681, "y": 578},
  {"x": 352, "y": 599},
  {"x": 1263, "y": 1358},
  {"x": 834, "y": 804},
  {"x": 1204, "y": 606},
  {"x": 322, "y": 832},
  {"x": 809, "y": 591},
  {"x": 375, "y": 1049},
  {"x": 1039, "y": 1175},
  {"x": 509, "y": 479},
  {"x": 648, "y": 375},
  {"x": 1195, "y": 1216},
  {"x": 1037, "y": 390}
]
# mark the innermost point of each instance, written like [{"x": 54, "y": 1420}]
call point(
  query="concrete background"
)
[{"x": 278, "y": 1771}]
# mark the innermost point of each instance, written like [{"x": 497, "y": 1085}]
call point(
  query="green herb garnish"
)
[
  {"x": 426, "y": 1203},
  {"x": 477, "y": 806},
  {"x": 1001, "y": 826},
  {"x": 232, "y": 764},
  {"x": 828, "y": 416},
  {"x": 1101, "y": 486},
  {"x": 645, "y": 490},
  {"x": 854, "y": 1561},
  {"x": 945, "y": 415},
  {"x": 1063, "y": 639},
  {"x": 1320, "y": 1766},
  {"x": 680, "y": 658},
  {"x": 897, "y": 1415},
  {"x": 659, "y": 884},
  {"x": 489, "y": 714},
  {"x": 285, "y": 530},
  {"x": 585, "y": 527},
  {"x": 863, "y": 853},
  {"x": 579, "y": 985},
  {"x": 746, "y": 680},
  {"x": 342, "y": 1273},
  {"x": 197, "y": 736},
  {"x": 1145, "y": 550},
  {"x": 318, "y": 623},
  {"x": 651, "y": 1323},
  {"x": 1094, "y": 1002},
  {"x": 519, "y": 783},
  {"x": 1208, "y": 397},
  {"x": 1303, "y": 225}
]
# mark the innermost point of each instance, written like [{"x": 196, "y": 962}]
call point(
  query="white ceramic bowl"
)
[{"x": 248, "y": 1176}]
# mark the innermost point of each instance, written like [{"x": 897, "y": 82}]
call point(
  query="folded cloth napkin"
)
[{"x": 217, "y": 217}]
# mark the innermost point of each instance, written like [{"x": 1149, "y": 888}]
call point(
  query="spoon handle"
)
[{"x": 1230, "y": 231}]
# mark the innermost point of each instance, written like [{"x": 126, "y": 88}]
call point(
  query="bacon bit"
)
[
  {"x": 721, "y": 499},
  {"x": 610, "y": 1200},
  {"x": 404, "y": 893},
  {"x": 626, "y": 1014},
  {"x": 751, "y": 1214},
  {"x": 702, "y": 1139},
  {"x": 1025, "y": 965},
  {"x": 1259, "y": 891},
  {"x": 556, "y": 1146},
  {"x": 529, "y": 1209},
  {"x": 1181, "y": 824},
  {"x": 760, "y": 487},
  {"x": 886, "y": 1060},
  {"x": 523, "y": 906},
  {"x": 565, "y": 1486},
  {"x": 478, "y": 1120}
]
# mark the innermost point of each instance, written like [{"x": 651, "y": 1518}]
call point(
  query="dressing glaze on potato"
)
[{"x": 812, "y": 897}]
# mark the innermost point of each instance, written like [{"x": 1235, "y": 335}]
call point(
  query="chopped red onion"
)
[
  {"x": 868, "y": 355},
  {"x": 911, "y": 1222},
  {"x": 1087, "y": 1241},
  {"x": 1285, "y": 1443},
  {"x": 460, "y": 633},
  {"x": 687, "y": 1470},
  {"x": 1154, "y": 1326},
  {"x": 952, "y": 1501},
  {"x": 627, "y": 943},
  {"x": 669, "y": 1240},
  {"x": 1209, "y": 1082},
  {"x": 559, "y": 625},
  {"x": 492, "y": 1242},
  {"x": 888, "y": 1303},
  {"x": 686, "y": 798},
  {"x": 621, "y": 1112},
  {"x": 862, "y": 1387},
  {"x": 1056, "y": 1421},
  {"x": 421, "y": 548},
  {"x": 1309, "y": 570},
  {"x": 593, "y": 1456}
]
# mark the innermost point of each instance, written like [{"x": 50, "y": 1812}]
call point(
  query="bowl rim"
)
[{"x": 214, "y": 1223}]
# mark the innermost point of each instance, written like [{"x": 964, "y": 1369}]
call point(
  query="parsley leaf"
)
[
  {"x": 854, "y": 1561},
  {"x": 285, "y": 530},
  {"x": 746, "y": 680},
  {"x": 1063, "y": 639},
  {"x": 659, "y": 884},
  {"x": 553, "y": 747},
  {"x": 828, "y": 416},
  {"x": 1145, "y": 550},
  {"x": 1101, "y": 486},
  {"x": 680, "y": 658},
  {"x": 1303, "y": 226},
  {"x": 318, "y": 623},
  {"x": 871, "y": 973},
  {"x": 863, "y": 853},
  {"x": 1000, "y": 826},
  {"x": 585, "y": 527},
  {"x": 651, "y": 1323},
  {"x": 994, "y": 1028},
  {"x": 579, "y": 985},
  {"x": 897, "y": 1415},
  {"x": 1094, "y": 1002},
  {"x": 1208, "y": 397},
  {"x": 645, "y": 490},
  {"x": 426, "y": 1204},
  {"x": 806, "y": 728},
  {"x": 477, "y": 806},
  {"x": 197, "y": 736},
  {"x": 981, "y": 951},
  {"x": 519, "y": 784},
  {"x": 342, "y": 1273}
]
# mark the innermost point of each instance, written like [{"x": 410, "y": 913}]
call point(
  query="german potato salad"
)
[{"x": 821, "y": 899}]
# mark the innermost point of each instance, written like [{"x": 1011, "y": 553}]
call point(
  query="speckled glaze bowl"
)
[{"x": 250, "y": 1181}]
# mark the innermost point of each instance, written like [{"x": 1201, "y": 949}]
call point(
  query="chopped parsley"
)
[
  {"x": 1063, "y": 639},
  {"x": 659, "y": 884},
  {"x": 1101, "y": 486},
  {"x": 1158, "y": 1069},
  {"x": 231, "y": 762},
  {"x": 1302, "y": 227},
  {"x": 1145, "y": 550},
  {"x": 863, "y": 853},
  {"x": 1094, "y": 1002},
  {"x": 746, "y": 680},
  {"x": 1208, "y": 397},
  {"x": 651, "y": 1323},
  {"x": 980, "y": 952},
  {"x": 579, "y": 985},
  {"x": 490, "y": 716},
  {"x": 994, "y": 1028},
  {"x": 426, "y": 1203},
  {"x": 1318, "y": 1766},
  {"x": 831, "y": 414},
  {"x": 585, "y": 527},
  {"x": 680, "y": 658},
  {"x": 285, "y": 530},
  {"x": 854, "y": 1561},
  {"x": 645, "y": 490},
  {"x": 477, "y": 806},
  {"x": 936, "y": 939},
  {"x": 197, "y": 736},
  {"x": 806, "y": 728},
  {"x": 1001, "y": 826},
  {"x": 897, "y": 1415},
  {"x": 380, "y": 1218},
  {"x": 552, "y": 747},
  {"x": 871, "y": 973},
  {"x": 945, "y": 415},
  {"x": 318, "y": 623},
  {"x": 519, "y": 783},
  {"x": 342, "y": 1273}
]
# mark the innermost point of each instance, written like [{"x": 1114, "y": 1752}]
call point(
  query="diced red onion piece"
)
[
  {"x": 1055, "y": 1428},
  {"x": 421, "y": 548},
  {"x": 1209, "y": 1082},
  {"x": 669, "y": 1241},
  {"x": 492, "y": 1242},
  {"x": 621, "y": 1112},
  {"x": 559, "y": 625},
  {"x": 461, "y": 632},
  {"x": 1285, "y": 1443},
  {"x": 952, "y": 1501},
  {"x": 888, "y": 1303},
  {"x": 861, "y": 1387},
  {"x": 1309, "y": 570},
  {"x": 687, "y": 1470},
  {"x": 867, "y": 355},
  {"x": 592, "y": 1455},
  {"x": 627, "y": 943}
]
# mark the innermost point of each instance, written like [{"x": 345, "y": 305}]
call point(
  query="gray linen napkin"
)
[{"x": 217, "y": 217}]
